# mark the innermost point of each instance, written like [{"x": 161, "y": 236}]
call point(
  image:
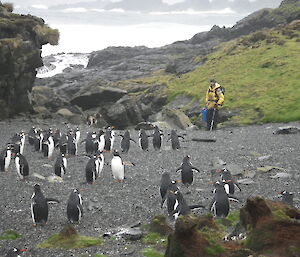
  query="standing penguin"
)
[
  {"x": 5, "y": 158},
  {"x": 117, "y": 167},
  {"x": 77, "y": 135},
  {"x": 71, "y": 145},
  {"x": 165, "y": 182},
  {"x": 31, "y": 135},
  {"x": 109, "y": 137},
  {"x": 22, "y": 166},
  {"x": 143, "y": 140},
  {"x": 175, "y": 139},
  {"x": 74, "y": 207},
  {"x": 219, "y": 205},
  {"x": 39, "y": 206},
  {"x": 99, "y": 163},
  {"x": 63, "y": 143},
  {"x": 48, "y": 145},
  {"x": 56, "y": 137},
  {"x": 38, "y": 141},
  {"x": 101, "y": 139},
  {"x": 125, "y": 142},
  {"x": 157, "y": 138},
  {"x": 228, "y": 181},
  {"x": 60, "y": 165},
  {"x": 187, "y": 169},
  {"x": 287, "y": 197},
  {"x": 15, "y": 252},
  {"x": 91, "y": 170}
]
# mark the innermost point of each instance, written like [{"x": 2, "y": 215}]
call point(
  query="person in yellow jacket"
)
[{"x": 214, "y": 100}]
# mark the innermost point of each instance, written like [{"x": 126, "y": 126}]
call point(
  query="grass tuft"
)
[{"x": 10, "y": 235}]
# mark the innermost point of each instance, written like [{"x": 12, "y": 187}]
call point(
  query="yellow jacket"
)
[{"x": 214, "y": 97}]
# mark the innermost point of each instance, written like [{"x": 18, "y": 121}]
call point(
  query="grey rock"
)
[
  {"x": 245, "y": 181},
  {"x": 234, "y": 169},
  {"x": 249, "y": 173},
  {"x": 287, "y": 130},
  {"x": 132, "y": 234},
  {"x": 282, "y": 175},
  {"x": 264, "y": 158}
]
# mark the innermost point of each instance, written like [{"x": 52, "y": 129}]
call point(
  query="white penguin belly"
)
[{"x": 117, "y": 168}]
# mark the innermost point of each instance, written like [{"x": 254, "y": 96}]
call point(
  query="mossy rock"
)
[
  {"x": 69, "y": 239},
  {"x": 150, "y": 252},
  {"x": 159, "y": 224}
]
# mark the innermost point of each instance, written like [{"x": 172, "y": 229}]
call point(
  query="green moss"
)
[
  {"x": 294, "y": 250},
  {"x": 47, "y": 35},
  {"x": 100, "y": 255},
  {"x": 280, "y": 215},
  {"x": 150, "y": 252},
  {"x": 215, "y": 250},
  {"x": 10, "y": 235},
  {"x": 154, "y": 239},
  {"x": 72, "y": 242}
]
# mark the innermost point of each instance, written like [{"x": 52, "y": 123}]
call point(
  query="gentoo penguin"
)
[
  {"x": 187, "y": 169},
  {"x": 16, "y": 143},
  {"x": 91, "y": 170},
  {"x": 228, "y": 181},
  {"x": 31, "y": 135},
  {"x": 15, "y": 252},
  {"x": 74, "y": 207},
  {"x": 63, "y": 142},
  {"x": 287, "y": 197},
  {"x": 48, "y": 145},
  {"x": 91, "y": 143},
  {"x": 56, "y": 137},
  {"x": 117, "y": 167},
  {"x": 22, "y": 142},
  {"x": 109, "y": 139},
  {"x": 71, "y": 145},
  {"x": 181, "y": 207},
  {"x": 22, "y": 166},
  {"x": 157, "y": 138},
  {"x": 101, "y": 139},
  {"x": 5, "y": 158},
  {"x": 92, "y": 120},
  {"x": 39, "y": 206},
  {"x": 165, "y": 182},
  {"x": 175, "y": 139},
  {"x": 170, "y": 196},
  {"x": 77, "y": 135},
  {"x": 38, "y": 141},
  {"x": 125, "y": 142},
  {"x": 219, "y": 205},
  {"x": 99, "y": 163},
  {"x": 143, "y": 140},
  {"x": 60, "y": 165}
]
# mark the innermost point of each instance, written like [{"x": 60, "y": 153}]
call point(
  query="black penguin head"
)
[
  {"x": 101, "y": 132},
  {"x": 116, "y": 153},
  {"x": 37, "y": 188},
  {"x": 76, "y": 191}
]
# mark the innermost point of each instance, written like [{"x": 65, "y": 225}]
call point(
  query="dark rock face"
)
[{"x": 21, "y": 38}]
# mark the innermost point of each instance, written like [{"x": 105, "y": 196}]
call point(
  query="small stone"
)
[
  {"x": 249, "y": 174},
  {"x": 281, "y": 175},
  {"x": 132, "y": 234},
  {"x": 269, "y": 168},
  {"x": 54, "y": 179},
  {"x": 245, "y": 181},
  {"x": 36, "y": 175},
  {"x": 264, "y": 158}
]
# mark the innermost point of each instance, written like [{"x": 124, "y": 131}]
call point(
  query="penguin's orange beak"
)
[
  {"x": 178, "y": 181},
  {"x": 210, "y": 182},
  {"x": 82, "y": 189},
  {"x": 24, "y": 250},
  {"x": 219, "y": 170}
]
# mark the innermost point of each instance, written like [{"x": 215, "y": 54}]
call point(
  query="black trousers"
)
[{"x": 212, "y": 117}]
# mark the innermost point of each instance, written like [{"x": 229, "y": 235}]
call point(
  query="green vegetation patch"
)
[
  {"x": 150, "y": 252},
  {"x": 71, "y": 242},
  {"x": 10, "y": 235},
  {"x": 100, "y": 255},
  {"x": 155, "y": 239}
]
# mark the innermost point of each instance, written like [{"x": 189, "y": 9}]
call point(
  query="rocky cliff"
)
[
  {"x": 119, "y": 67},
  {"x": 21, "y": 40}
]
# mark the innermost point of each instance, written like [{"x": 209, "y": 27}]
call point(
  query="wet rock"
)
[
  {"x": 268, "y": 169},
  {"x": 287, "y": 130},
  {"x": 282, "y": 175}
]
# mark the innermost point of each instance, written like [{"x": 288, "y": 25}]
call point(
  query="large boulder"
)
[
  {"x": 176, "y": 118},
  {"x": 272, "y": 227},
  {"x": 21, "y": 40},
  {"x": 96, "y": 95}
]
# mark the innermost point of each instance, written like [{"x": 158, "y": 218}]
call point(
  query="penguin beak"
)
[
  {"x": 219, "y": 170},
  {"x": 81, "y": 189},
  {"x": 178, "y": 181},
  {"x": 210, "y": 182},
  {"x": 24, "y": 250}
]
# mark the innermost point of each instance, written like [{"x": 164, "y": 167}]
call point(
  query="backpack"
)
[{"x": 222, "y": 90}]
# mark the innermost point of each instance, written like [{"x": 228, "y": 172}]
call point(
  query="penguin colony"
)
[{"x": 60, "y": 147}]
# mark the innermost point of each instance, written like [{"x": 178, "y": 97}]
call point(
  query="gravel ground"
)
[{"x": 137, "y": 199}]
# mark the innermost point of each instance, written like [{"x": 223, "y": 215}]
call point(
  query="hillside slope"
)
[{"x": 260, "y": 72}]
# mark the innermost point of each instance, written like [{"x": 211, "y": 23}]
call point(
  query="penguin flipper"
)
[
  {"x": 196, "y": 169},
  {"x": 196, "y": 206},
  {"x": 237, "y": 185},
  {"x": 52, "y": 200},
  {"x": 233, "y": 198},
  {"x": 132, "y": 140},
  {"x": 178, "y": 169}
]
